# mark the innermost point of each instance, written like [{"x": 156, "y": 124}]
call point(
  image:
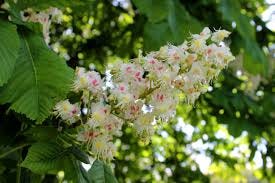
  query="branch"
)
[{"x": 12, "y": 150}]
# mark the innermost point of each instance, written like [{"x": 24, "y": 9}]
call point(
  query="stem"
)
[
  {"x": 89, "y": 104},
  {"x": 18, "y": 171},
  {"x": 20, "y": 148},
  {"x": 142, "y": 96},
  {"x": 148, "y": 92},
  {"x": 12, "y": 150},
  {"x": 69, "y": 138},
  {"x": 64, "y": 141},
  {"x": 118, "y": 116}
]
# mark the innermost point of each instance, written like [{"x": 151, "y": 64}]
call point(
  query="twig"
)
[{"x": 12, "y": 150}]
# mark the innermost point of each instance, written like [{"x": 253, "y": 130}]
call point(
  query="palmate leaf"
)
[
  {"x": 255, "y": 60},
  {"x": 155, "y": 10},
  {"x": 40, "y": 79},
  {"x": 231, "y": 11},
  {"x": 101, "y": 173},
  {"x": 45, "y": 158},
  {"x": 156, "y": 34},
  {"x": 181, "y": 22},
  {"x": 50, "y": 157},
  {"x": 79, "y": 155},
  {"x": 44, "y": 4},
  {"x": 41, "y": 133},
  {"x": 9, "y": 47},
  {"x": 173, "y": 24},
  {"x": 75, "y": 172},
  {"x": 41, "y": 4}
]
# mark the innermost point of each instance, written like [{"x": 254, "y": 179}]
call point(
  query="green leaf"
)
[
  {"x": 75, "y": 172},
  {"x": 175, "y": 28},
  {"x": 45, "y": 158},
  {"x": 237, "y": 126},
  {"x": 8, "y": 50},
  {"x": 231, "y": 11},
  {"x": 41, "y": 4},
  {"x": 40, "y": 79},
  {"x": 155, "y": 10},
  {"x": 80, "y": 155},
  {"x": 42, "y": 133},
  {"x": 255, "y": 60},
  {"x": 44, "y": 4},
  {"x": 181, "y": 22},
  {"x": 156, "y": 34},
  {"x": 101, "y": 173}
]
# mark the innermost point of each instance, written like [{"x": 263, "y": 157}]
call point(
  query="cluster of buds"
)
[
  {"x": 45, "y": 17},
  {"x": 144, "y": 91}
]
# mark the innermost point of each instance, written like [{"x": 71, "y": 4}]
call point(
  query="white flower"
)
[
  {"x": 197, "y": 44},
  {"x": 81, "y": 80},
  {"x": 143, "y": 126},
  {"x": 90, "y": 80},
  {"x": 133, "y": 110},
  {"x": 102, "y": 147},
  {"x": 56, "y": 14},
  {"x": 87, "y": 135},
  {"x": 175, "y": 54},
  {"x": 164, "y": 102},
  {"x": 219, "y": 35},
  {"x": 154, "y": 66},
  {"x": 67, "y": 111},
  {"x": 100, "y": 112},
  {"x": 197, "y": 71},
  {"x": 206, "y": 33},
  {"x": 131, "y": 73},
  {"x": 95, "y": 82},
  {"x": 113, "y": 125},
  {"x": 122, "y": 94},
  {"x": 45, "y": 17},
  {"x": 192, "y": 96},
  {"x": 163, "y": 52},
  {"x": 184, "y": 46},
  {"x": 178, "y": 82}
]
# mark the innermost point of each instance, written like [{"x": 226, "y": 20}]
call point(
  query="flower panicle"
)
[
  {"x": 45, "y": 17},
  {"x": 145, "y": 90}
]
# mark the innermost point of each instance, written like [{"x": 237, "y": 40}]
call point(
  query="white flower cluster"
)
[
  {"x": 45, "y": 17},
  {"x": 144, "y": 91}
]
